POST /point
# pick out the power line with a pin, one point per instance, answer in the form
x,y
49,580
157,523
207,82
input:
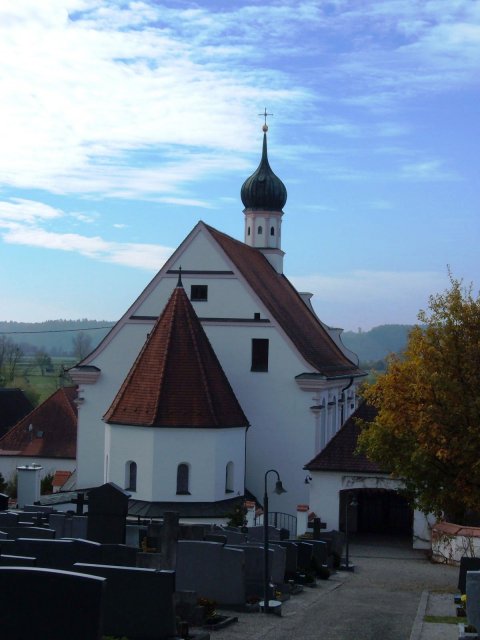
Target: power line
x,y
8,333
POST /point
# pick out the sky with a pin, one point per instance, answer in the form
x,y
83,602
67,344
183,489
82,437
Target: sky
x,y
122,124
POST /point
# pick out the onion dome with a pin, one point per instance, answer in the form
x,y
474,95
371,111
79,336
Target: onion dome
x,y
263,190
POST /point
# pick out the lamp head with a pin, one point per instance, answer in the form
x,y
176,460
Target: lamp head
x,y
279,488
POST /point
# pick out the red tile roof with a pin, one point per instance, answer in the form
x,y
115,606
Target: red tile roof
x,y
13,406
339,454
177,380
54,429
60,478
287,307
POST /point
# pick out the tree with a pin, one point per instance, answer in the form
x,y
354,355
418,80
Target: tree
x,y
427,430
43,361
82,345
10,354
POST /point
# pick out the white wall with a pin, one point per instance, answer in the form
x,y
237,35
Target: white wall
x,y
158,452
9,464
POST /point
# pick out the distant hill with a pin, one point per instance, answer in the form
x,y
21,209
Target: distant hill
x,y
377,343
53,336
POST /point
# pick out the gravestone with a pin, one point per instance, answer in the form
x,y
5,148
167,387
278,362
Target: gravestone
x,y
68,526
107,513
118,554
33,615
304,555
17,561
235,537
8,519
216,537
212,570
3,502
473,598
290,558
39,533
254,567
53,554
466,564
138,602
256,534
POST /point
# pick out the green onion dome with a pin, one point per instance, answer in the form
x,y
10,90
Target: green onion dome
x,y
263,190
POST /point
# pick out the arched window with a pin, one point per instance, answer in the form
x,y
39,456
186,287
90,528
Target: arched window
x,y
248,231
272,231
131,475
229,478
183,472
259,231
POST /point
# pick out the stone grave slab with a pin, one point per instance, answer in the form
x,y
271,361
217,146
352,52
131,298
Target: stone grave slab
x,y
466,564
256,534
17,561
107,513
212,570
78,618
291,552
8,519
39,533
473,598
53,554
138,602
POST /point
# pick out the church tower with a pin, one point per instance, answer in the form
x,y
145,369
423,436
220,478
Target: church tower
x,y
264,195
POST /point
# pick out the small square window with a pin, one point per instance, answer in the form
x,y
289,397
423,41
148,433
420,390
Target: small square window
x,y
259,354
199,292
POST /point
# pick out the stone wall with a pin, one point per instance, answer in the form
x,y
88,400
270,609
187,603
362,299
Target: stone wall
x,y
451,542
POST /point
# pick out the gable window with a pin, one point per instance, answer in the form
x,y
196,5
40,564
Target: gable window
x,y
259,354
199,292
272,231
131,476
183,472
259,231
229,478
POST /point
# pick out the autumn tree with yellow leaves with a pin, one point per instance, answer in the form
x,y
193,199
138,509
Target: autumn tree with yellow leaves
x,y
427,430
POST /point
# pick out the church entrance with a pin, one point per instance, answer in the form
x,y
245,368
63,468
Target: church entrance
x,y
382,511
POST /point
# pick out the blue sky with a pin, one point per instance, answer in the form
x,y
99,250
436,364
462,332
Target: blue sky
x,y
124,123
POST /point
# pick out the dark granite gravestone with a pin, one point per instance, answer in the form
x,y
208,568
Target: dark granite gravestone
x,y
3,502
212,570
290,559
27,596
8,519
119,555
216,537
68,526
52,554
466,564
17,561
256,534
304,555
107,513
138,602
3,535
38,533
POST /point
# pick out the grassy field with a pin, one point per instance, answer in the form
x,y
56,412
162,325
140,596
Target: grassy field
x,y
36,385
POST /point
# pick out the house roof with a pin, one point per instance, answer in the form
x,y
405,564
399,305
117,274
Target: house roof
x,y
13,406
177,380
340,453
285,304
60,478
53,432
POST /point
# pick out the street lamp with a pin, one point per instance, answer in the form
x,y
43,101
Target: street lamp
x,y
266,575
350,501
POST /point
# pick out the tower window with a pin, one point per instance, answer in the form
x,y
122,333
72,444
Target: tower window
x,y
131,476
259,354
272,231
248,231
229,478
183,472
259,231
199,292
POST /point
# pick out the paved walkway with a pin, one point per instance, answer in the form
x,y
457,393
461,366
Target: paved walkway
x,y
385,598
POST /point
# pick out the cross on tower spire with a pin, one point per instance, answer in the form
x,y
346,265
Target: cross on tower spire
x,y
264,115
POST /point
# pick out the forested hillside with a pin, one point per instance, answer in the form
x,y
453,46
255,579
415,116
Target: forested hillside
x,y
377,343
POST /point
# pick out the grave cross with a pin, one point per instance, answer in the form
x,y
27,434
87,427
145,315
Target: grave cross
x,y
80,501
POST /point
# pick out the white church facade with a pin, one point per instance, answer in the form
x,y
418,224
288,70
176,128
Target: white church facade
x,y
292,379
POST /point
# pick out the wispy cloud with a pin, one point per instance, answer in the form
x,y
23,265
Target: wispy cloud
x,y
21,223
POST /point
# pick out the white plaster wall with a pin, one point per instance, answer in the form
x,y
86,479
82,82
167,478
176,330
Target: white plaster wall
x,y
159,451
9,464
324,497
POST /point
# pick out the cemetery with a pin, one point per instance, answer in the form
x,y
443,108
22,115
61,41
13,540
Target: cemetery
x,y
144,580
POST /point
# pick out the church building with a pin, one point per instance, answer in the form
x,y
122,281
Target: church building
x,y
219,371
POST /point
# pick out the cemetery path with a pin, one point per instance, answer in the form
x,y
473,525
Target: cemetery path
x,y
379,600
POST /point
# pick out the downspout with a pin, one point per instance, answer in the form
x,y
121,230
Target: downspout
x,y
343,403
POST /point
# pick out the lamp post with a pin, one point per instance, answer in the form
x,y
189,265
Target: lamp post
x,y
266,575
350,501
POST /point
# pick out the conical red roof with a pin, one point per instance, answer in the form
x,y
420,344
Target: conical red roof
x,y
177,380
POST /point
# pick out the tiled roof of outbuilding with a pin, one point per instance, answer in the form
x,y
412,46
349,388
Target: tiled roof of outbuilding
x,y
340,453
13,406
54,429
177,380
289,310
